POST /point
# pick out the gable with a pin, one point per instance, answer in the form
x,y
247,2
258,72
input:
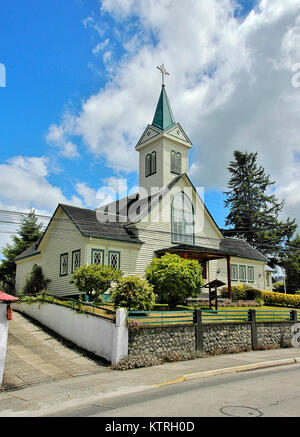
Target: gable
x,y
158,215
149,134
177,133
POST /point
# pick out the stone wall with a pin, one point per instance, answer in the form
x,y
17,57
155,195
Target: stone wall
x,y
274,334
225,337
215,338
158,340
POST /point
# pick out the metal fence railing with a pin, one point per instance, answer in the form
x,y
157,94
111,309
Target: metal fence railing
x,y
164,318
84,307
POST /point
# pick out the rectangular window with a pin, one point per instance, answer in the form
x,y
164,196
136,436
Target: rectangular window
x,y
242,275
204,269
114,259
97,257
75,260
250,274
268,279
63,264
234,272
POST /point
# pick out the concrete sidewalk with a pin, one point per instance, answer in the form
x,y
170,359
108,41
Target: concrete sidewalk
x,y
55,396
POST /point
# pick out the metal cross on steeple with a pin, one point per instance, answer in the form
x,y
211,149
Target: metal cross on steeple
x,y
163,72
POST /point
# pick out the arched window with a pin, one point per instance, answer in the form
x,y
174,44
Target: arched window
x,y
176,162
182,214
150,164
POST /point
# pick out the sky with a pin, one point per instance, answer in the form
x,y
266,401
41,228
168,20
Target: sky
x,y
82,85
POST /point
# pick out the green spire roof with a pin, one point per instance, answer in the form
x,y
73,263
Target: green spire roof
x,y
163,118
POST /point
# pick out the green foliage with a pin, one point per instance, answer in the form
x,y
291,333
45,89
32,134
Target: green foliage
x,y
254,215
133,293
175,279
288,300
28,233
292,265
36,282
278,287
241,292
95,280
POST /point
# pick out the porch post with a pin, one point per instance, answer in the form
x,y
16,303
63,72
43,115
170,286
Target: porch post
x,y
185,255
229,278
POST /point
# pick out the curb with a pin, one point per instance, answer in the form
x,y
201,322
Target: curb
x,y
241,368
244,368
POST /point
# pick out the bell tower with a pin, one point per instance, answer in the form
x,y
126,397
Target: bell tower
x,y
163,147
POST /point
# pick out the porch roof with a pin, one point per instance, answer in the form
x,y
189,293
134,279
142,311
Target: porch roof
x,y
197,252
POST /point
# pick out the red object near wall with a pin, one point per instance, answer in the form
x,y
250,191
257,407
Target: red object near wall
x,y
9,313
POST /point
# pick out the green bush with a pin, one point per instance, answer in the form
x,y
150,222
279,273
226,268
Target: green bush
x,y
288,300
133,293
94,280
278,287
175,279
35,282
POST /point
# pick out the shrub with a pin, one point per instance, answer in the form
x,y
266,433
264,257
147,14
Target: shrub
x,y
278,287
36,282
272,298
94,280
133,293
238,292
175,279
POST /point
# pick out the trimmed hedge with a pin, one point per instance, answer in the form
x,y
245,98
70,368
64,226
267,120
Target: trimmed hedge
x,y
272,298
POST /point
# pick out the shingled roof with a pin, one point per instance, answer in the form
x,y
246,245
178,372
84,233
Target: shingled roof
x,y
241,248
30,251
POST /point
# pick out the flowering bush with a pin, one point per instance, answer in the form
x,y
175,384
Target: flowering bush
x,y
133,293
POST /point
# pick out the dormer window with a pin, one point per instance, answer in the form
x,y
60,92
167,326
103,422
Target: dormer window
x,y
150,164
176,162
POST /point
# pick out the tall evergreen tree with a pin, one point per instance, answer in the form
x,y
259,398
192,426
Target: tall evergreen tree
x,y
254,211
28,233
292,265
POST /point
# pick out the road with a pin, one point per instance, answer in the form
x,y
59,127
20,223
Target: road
x,y
269,392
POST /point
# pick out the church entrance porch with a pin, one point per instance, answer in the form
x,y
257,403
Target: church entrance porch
x,y
203,255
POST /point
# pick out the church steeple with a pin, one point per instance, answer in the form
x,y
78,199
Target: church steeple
x,y
163,118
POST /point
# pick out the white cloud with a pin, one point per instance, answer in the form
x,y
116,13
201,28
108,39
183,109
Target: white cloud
x,y
58,136
230,86
100,46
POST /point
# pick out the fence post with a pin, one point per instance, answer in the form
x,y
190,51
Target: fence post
x,y
120,341
293,315
198,330
252,319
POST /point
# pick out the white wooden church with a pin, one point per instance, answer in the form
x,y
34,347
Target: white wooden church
x,y
167,215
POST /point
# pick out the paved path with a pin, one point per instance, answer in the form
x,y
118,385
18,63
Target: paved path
x,y
35,356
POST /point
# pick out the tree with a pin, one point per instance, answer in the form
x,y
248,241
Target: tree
x,y
36,282
175,279
133,293
94,280
28,233
254,210
292,265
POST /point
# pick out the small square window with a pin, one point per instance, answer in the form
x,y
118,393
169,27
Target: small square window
x,y
64,264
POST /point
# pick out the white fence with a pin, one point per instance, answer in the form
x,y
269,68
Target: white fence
x,y
101,337
3,338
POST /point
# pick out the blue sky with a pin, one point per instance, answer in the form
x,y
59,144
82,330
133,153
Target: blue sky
x,y
60,55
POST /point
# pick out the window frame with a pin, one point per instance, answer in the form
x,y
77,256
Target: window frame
x,y
176,166
72,265
119,257
92,256
245,267
151,165
60,264
237,272
184,234
252,269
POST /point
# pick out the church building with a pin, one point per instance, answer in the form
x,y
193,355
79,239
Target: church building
x,y
167,215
